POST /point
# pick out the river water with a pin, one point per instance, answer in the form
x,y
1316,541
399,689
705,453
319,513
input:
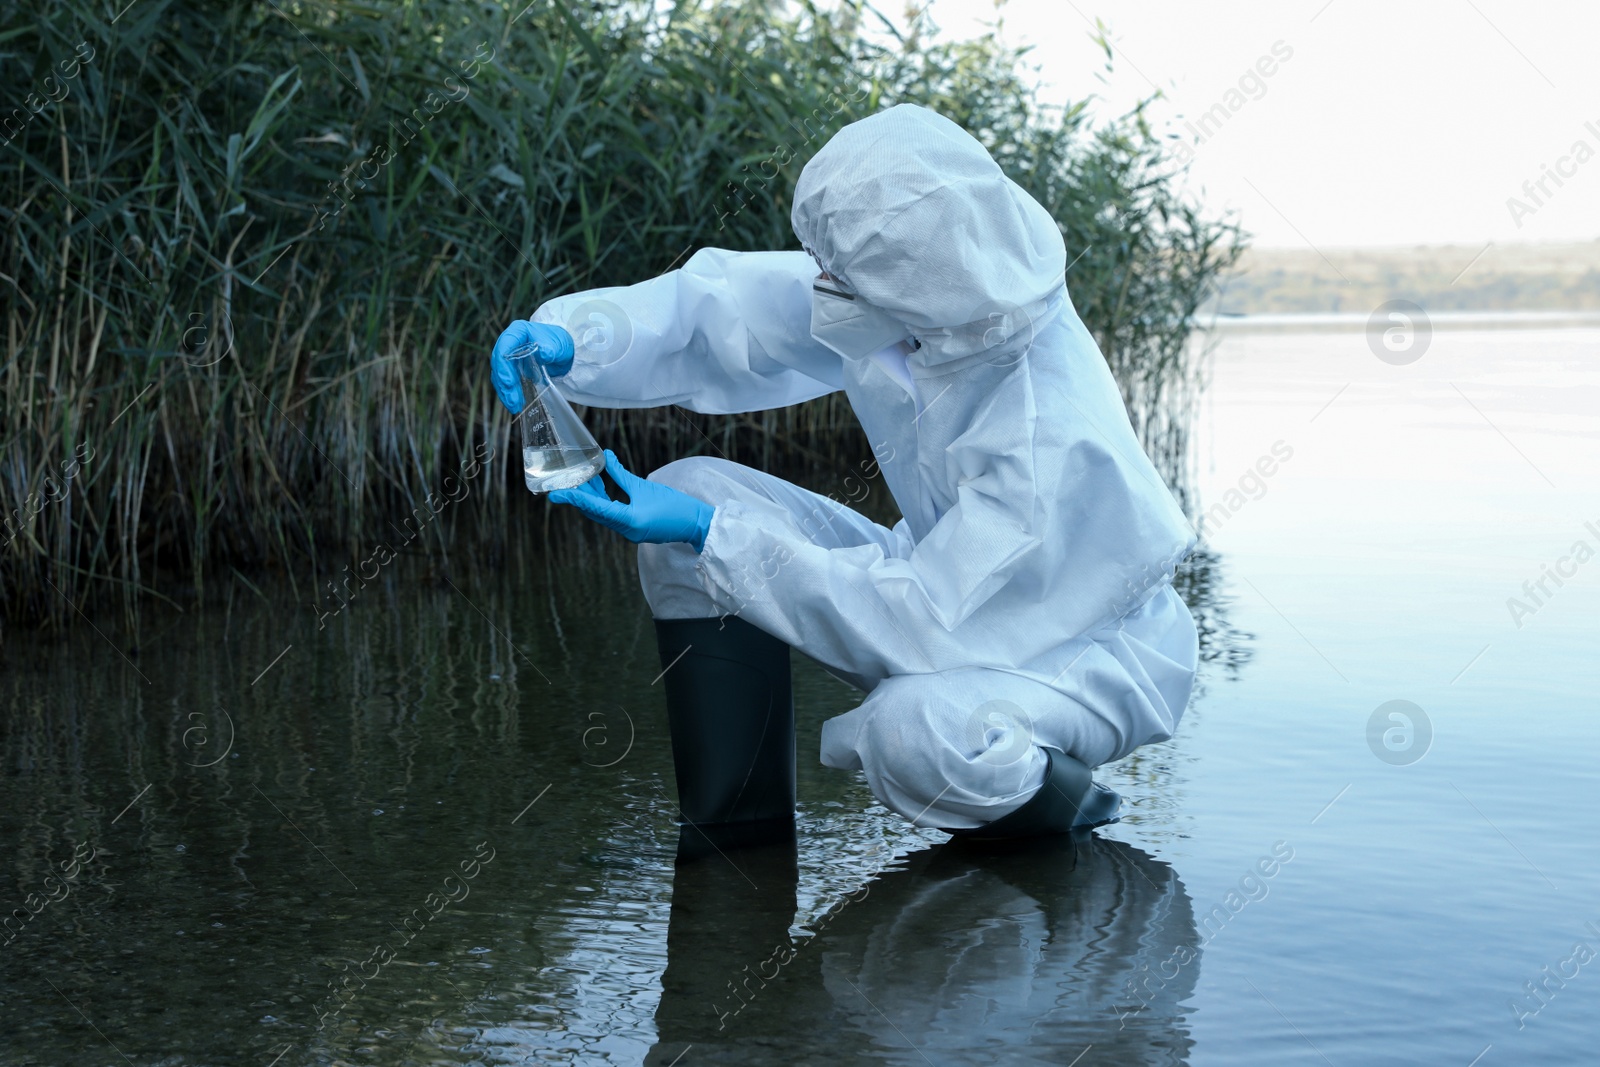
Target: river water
x,y
438,829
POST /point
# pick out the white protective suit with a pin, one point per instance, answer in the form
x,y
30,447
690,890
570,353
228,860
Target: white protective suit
x,y
1025,598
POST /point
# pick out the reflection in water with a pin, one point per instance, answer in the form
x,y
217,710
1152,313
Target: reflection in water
x,y
1030,954
1199,580
262,806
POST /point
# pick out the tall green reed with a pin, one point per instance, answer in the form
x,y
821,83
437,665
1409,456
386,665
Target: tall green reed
x,y
255,253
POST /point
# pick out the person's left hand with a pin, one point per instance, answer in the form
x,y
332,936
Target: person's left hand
x,y
655,514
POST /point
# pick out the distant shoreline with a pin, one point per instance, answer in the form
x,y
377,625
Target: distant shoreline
x,y
1338,321
1489,278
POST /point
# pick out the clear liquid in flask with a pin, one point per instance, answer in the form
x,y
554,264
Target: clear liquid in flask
x,y
548,469
558,452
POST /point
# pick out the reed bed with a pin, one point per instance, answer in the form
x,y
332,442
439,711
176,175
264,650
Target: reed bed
x,y
255,254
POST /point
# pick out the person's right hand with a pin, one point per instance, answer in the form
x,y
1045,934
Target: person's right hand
x,y
551,346
654,514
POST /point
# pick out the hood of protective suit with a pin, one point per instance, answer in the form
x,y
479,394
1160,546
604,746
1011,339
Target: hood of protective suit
x,y
911,215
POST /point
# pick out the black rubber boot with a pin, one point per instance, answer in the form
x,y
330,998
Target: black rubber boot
x,y
1069,800
731,714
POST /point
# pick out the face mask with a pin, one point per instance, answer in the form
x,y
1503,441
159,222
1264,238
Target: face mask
x,y
849,325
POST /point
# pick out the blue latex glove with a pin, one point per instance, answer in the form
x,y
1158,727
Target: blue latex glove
x,y
552,346
655,514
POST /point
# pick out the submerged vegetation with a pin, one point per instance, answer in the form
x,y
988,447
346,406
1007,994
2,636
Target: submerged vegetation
x,y
255,253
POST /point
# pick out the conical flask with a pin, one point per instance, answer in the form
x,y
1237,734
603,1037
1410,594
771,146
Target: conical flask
x,y
558,451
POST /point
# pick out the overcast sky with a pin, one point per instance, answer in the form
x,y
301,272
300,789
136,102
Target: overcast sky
x,y
1391,122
